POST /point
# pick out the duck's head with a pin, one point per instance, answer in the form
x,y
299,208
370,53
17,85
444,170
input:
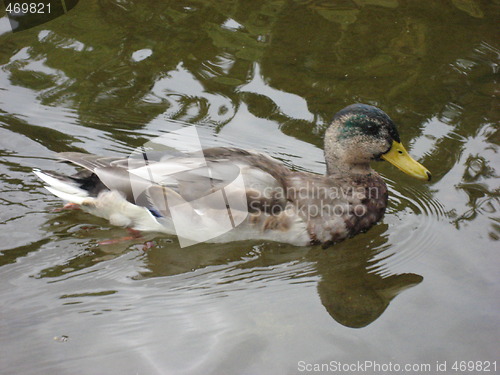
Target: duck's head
x,y
361,133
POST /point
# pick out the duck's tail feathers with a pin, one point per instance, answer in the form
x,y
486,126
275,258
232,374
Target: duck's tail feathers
x,y
63,187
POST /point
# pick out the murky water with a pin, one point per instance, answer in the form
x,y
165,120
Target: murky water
x,y
421,286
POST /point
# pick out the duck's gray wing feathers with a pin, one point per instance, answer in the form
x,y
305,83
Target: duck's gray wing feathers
x,y
87,161
249,159
146,180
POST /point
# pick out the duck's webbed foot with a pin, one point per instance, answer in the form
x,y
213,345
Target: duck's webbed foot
x,y
68,206
134,234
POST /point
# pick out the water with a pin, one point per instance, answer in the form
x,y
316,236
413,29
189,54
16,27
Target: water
x,y
418,288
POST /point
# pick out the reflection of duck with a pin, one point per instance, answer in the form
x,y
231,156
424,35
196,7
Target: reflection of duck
x,y
354,296
284,205
358,304
356,284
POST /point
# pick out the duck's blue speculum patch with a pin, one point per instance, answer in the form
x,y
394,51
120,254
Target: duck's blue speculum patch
x,y
155,213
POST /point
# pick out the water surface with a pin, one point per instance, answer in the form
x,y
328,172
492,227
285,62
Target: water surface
x,y
421,286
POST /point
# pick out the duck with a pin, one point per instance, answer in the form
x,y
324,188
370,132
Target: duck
x,y
225,194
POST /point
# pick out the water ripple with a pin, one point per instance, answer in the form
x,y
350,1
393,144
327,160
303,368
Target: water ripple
x,y
412,216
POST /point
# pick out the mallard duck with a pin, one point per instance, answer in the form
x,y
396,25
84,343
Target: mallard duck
x,y
261,198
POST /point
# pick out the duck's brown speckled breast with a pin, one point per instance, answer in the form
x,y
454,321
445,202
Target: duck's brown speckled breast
x,y
374,202
336,208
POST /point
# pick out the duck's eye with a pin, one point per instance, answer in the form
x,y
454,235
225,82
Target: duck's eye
x,y
372,128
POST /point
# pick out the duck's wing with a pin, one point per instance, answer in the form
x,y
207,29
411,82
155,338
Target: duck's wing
x,y
234,172
87,161
135,160
103,173
185,177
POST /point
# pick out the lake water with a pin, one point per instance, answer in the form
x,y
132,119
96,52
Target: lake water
x,y
421,288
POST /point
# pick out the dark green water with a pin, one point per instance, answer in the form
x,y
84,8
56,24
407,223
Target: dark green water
x,y
420,287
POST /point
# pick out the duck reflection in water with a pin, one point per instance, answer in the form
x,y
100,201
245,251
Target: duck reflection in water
x,y
354,288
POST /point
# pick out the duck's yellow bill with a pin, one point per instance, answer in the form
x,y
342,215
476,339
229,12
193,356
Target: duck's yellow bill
x,y
399,157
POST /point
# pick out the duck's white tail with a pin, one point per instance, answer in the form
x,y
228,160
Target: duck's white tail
x,y
62,187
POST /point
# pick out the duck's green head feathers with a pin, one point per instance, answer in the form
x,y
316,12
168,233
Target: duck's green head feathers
x,y
360,133
367,120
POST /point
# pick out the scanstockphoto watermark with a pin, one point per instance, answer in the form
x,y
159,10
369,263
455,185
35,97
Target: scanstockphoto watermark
x,y
368,366
204,199
311,200
309,209
311,190
364,366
